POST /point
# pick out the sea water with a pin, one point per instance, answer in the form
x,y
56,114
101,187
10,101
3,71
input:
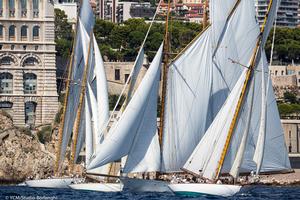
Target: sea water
x,y
248,192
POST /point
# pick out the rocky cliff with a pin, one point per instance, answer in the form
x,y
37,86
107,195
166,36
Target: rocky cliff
x,y
22,156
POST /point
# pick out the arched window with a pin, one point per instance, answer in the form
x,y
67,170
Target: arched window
x,y
6,83
36,33
24,33
35,8
29,83
31,61
23,8
12,32
11,6
1,31
6,60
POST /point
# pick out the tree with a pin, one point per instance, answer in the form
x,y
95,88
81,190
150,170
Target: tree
x,y
63,34
290,97
63,29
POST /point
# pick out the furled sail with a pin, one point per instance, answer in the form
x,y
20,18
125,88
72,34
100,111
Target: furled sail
x,y
199,83
87,18
136,121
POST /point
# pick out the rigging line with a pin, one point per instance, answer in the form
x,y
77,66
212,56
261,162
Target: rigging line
x,y
104,127
272,52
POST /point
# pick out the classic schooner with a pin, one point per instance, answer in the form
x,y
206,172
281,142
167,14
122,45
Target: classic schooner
x,y
86,90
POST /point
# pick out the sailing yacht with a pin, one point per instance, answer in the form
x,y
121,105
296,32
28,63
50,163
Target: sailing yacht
x,y
77,69
246,133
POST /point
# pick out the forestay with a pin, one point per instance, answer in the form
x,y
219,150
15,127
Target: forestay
x,y
137,124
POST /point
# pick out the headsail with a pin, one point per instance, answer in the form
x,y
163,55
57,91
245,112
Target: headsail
x,y
136,121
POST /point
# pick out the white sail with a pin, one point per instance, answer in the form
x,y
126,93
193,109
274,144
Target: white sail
x,y
198,84
235,169
134,120
77,68
88,132
143,158
259,150
102,94
210,148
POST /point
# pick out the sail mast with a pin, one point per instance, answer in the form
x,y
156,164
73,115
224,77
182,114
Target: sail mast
x,y
62,125
205,14
243,93
81,99
164,74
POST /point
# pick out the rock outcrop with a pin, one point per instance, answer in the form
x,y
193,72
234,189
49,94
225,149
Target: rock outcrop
x,y
22,155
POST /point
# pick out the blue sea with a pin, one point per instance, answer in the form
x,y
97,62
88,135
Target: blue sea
x,y
248,192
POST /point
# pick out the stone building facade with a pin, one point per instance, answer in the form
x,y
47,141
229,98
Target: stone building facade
x,y
28,88
117,74
291,130
285,78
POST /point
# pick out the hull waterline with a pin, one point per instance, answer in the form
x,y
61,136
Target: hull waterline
x,y
100,187
195,189
53,182
144,185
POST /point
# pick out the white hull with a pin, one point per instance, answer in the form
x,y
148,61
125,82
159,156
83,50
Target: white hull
x,y
100,187
195,189
53,182
144,185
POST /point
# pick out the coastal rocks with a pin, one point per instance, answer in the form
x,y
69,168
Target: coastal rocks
x,y
21,155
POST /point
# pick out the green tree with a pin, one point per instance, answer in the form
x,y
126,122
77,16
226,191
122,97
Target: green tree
x,y
290,97
63,34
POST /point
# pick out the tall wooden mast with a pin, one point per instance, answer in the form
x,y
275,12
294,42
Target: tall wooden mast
x,y
205,14
166,51
57,171
80,105
243,93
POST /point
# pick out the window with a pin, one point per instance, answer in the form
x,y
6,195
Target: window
x,y
23,8
11,6
6,83
29,83
117,74
36,33
35,6
276,72
282,73
24,33
12,32
1,8
31,61
30,110
6,61
1,32
126,77
6,105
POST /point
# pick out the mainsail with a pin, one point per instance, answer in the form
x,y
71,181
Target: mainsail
x,y
137,123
